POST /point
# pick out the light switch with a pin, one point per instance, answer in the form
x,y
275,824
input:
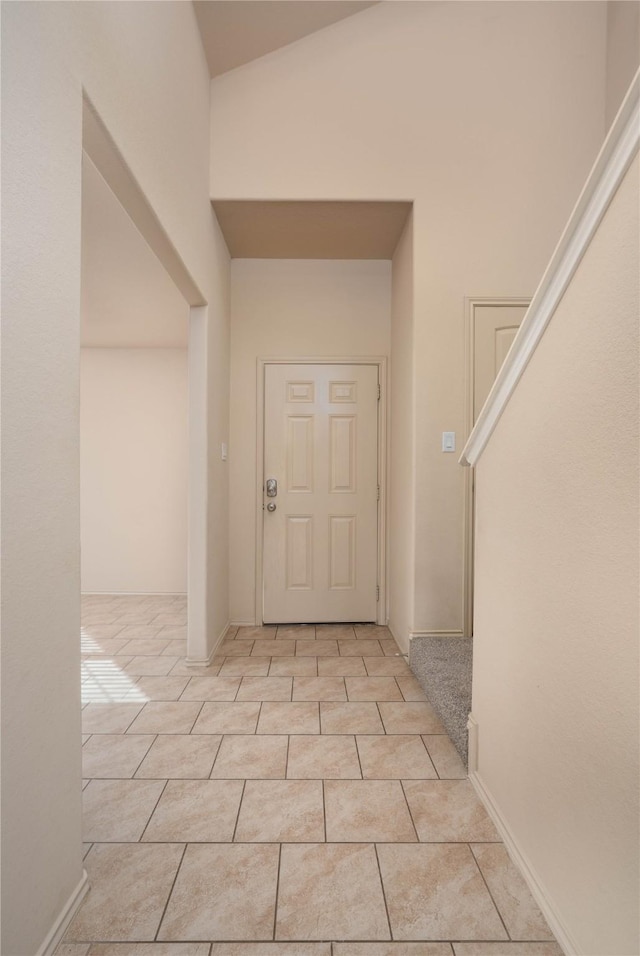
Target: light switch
x,y
223,451
448,441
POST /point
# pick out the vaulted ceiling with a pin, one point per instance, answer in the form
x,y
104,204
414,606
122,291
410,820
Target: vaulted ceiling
x,y
234,32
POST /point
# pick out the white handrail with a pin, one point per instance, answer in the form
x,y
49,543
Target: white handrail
x,y
613,160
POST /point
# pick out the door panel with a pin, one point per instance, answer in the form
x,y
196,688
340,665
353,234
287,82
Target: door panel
x,y
321,446
495,328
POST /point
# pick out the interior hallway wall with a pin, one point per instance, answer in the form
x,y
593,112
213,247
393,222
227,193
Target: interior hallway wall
x,y
489,116
402,442
133,470
623,51
289,308
143,67
555,683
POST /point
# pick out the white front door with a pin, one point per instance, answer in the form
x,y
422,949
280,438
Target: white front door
x,y
321,516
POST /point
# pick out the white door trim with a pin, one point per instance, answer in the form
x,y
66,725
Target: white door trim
x,y
471,304
381,363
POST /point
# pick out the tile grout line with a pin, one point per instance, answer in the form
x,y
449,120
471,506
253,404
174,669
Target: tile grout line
x,y
479,869
155,807
170,893
413,822
275,908
384,895
235,829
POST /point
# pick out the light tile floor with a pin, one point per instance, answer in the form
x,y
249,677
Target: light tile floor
x,y
299,797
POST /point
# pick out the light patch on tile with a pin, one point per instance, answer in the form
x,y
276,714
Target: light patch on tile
x,y
330,891
512,896
105,682
162,688
223,892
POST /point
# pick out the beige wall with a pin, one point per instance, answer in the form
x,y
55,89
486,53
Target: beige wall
x,y
133,470
623,52
402,442
555,687
289,308
143,67
489,116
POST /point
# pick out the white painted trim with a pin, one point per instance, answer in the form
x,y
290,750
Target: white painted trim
x,y
198,485
69,910
206,661
614,159
133,594
473,737
471,303
382,362
520,859
457,632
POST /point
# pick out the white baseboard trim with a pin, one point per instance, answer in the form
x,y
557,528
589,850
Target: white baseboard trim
x,y
472,760
133,594
190,662
244,624
69,910
521,861
458,632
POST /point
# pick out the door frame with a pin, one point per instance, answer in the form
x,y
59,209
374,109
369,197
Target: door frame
x,y
381,363
471,304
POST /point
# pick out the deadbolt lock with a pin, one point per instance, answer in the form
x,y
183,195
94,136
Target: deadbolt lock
x,y
272,487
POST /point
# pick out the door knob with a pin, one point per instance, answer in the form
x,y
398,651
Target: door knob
x,y
272,487
271,506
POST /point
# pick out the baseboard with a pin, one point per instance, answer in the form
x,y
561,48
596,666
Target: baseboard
x,y
244,624
59,928
521,861
472,759
458,632
207,660
133,594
